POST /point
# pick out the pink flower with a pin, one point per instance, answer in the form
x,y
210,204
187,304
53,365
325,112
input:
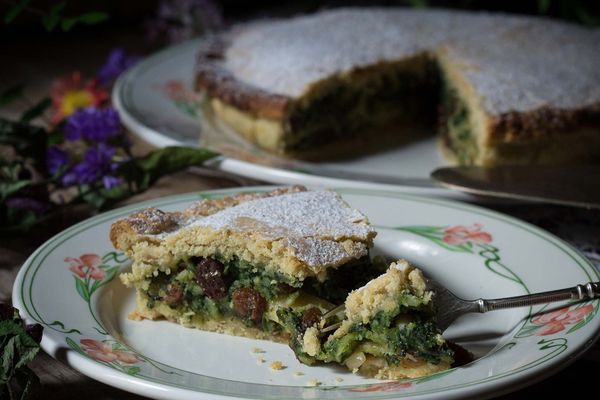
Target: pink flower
x,y
69,94
460,234
391,386
104,352
557,320
86,264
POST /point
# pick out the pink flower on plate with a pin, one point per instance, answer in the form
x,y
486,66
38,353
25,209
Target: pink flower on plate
x,y
556,321
104,352
391,386
460,234
178,91
86,265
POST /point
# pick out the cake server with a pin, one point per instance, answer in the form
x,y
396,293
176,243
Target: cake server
x,y
577,186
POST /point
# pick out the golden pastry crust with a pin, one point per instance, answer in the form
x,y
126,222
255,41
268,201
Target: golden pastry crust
x,y
220,83
291,231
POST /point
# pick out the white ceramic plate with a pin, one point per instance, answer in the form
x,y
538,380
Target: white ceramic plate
x,y
155,101
69,286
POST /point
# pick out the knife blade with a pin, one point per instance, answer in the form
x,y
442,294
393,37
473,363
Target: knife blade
x,y
577,186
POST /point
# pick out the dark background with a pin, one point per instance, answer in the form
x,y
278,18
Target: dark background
x,y
130,13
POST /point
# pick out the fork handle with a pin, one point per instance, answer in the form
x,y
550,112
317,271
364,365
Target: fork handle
x,y
590,290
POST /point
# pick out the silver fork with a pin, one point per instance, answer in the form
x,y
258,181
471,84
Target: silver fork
x,y
449,307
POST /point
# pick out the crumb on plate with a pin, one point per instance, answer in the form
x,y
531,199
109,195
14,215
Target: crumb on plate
x,y
313,382
276,365
257,350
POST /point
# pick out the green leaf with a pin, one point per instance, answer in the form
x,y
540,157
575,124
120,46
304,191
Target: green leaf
x,y
19,222
587,319
419,229
166,161
37,110
74,345
16,351
141,173
91,18
7,360
110,274
15,11
132,370
95,286
52,19
96,197
11,94
9,188
82,289
27,349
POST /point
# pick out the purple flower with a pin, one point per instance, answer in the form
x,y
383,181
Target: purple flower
x,y
93,124
35,331
97,165
56,159
178,20
117,62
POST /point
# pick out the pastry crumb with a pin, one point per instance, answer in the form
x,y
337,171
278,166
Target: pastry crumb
x,y
338,379
260,360
313,382
298,373
277,365
257,350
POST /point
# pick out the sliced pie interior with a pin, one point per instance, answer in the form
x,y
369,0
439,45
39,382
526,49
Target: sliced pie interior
x,y
389,330
229,264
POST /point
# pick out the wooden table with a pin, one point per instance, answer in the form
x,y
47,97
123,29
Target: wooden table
x,y
37,63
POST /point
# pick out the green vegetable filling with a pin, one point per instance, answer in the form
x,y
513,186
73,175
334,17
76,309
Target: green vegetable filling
x,y
239,288
347,106
407,330
456,128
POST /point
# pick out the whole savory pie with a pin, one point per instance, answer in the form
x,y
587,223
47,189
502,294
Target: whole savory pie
x,y
506,89
270,265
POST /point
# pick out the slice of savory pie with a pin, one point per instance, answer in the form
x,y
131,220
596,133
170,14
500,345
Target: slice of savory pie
x,y
229,264
389,331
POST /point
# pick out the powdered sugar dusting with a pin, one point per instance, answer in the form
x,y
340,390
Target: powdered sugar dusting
x,y
322,253
513,62
310,222
306,214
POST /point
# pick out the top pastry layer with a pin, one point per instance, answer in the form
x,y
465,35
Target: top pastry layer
x,y
292,231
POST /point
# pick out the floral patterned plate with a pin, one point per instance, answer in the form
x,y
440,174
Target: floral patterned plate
x,y
69,285
156,102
